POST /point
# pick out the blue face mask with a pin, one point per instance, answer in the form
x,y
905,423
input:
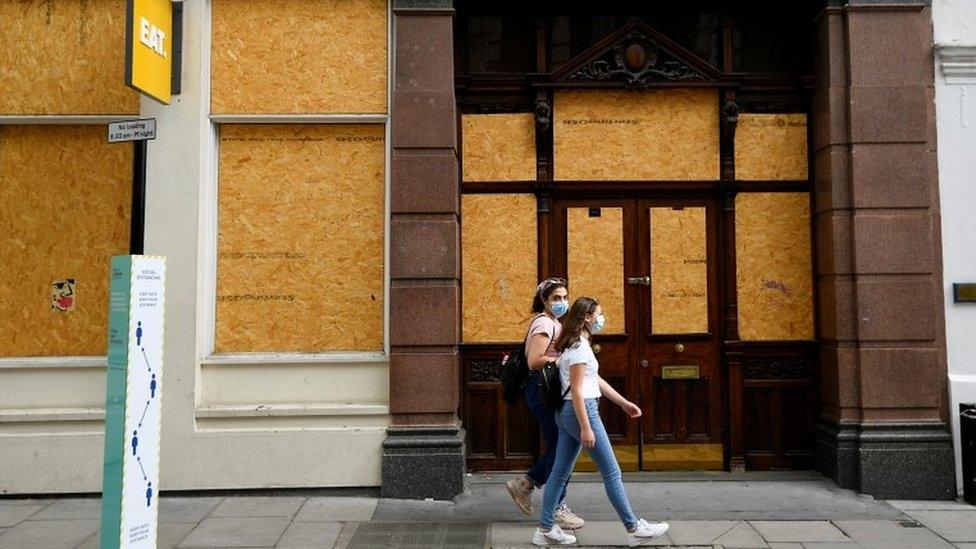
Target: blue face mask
x,y
559,308
597,324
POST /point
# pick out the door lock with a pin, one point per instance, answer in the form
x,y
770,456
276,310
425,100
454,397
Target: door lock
x,y
639,280
679,348
644,363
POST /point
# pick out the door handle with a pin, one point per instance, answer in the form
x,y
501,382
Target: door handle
x,y
644,363
639,280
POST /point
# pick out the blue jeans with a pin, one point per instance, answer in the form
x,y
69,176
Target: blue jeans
x,y
602,455
539,473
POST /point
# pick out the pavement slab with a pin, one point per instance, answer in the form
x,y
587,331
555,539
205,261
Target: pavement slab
x,y
955,526
236,532
48,534
262,506
874,534
730,534
799,531
337,509
71,508
10,515
306,535
931,505
186,509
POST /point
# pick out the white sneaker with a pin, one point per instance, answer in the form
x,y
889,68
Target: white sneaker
x,y
555,536
646,531
567,519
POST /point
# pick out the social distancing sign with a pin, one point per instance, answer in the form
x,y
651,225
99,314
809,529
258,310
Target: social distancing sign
x,y
130,488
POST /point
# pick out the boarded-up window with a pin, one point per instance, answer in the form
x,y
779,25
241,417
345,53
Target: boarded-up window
x,y
64,57
595,262
773,266
634,136
771,147
64,212
300,245
299,56
679,271
498,266
498,147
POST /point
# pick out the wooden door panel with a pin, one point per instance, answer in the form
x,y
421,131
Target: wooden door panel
x,y
499,437
614,419
482,427
679,255
611,254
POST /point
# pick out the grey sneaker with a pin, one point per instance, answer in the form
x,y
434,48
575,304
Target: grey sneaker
x,y
521,495
567,519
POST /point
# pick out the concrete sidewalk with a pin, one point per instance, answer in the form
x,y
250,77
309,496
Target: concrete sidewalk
x,y
762,510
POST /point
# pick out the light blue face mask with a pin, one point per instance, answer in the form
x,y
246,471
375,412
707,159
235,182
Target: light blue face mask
x,y
597,324
559,308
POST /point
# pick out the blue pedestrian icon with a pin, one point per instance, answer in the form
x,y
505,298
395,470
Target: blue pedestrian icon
x,y
135,441
152,387
139,333
148,494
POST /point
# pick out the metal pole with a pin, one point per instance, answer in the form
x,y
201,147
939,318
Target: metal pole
x,y
138,217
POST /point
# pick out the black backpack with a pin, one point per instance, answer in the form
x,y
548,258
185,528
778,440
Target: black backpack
x,y
514,374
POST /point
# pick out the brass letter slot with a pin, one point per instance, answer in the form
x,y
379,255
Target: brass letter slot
x,y
680,372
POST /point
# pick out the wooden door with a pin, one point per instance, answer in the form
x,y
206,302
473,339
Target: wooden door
x,y
652,265
680,368
594,249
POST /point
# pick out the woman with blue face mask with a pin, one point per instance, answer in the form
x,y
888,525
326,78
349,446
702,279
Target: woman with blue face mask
x,y
550,303
580,427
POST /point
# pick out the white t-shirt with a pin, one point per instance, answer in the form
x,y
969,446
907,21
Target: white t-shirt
x,y
581,353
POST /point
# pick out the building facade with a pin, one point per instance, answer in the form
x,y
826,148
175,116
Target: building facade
x,y
357,198
954,24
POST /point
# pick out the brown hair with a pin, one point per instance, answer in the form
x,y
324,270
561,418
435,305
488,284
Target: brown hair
x,y
574,322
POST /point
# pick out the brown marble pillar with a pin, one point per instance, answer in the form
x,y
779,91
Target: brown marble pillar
x,y
423,455
884,376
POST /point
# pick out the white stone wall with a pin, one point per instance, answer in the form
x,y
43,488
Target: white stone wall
x,y
954,23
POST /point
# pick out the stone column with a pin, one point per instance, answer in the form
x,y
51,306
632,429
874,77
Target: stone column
x,y
883,430
423,454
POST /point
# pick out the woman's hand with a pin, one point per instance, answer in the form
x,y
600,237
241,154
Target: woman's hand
x,y
631,409
587,438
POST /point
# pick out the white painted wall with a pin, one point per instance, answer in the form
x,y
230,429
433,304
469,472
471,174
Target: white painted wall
x,y
954,23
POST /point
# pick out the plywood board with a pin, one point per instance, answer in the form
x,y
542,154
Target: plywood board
x,y
773,266
667,134
679,271
65,197
499,247
299,56
771,147
64,57
498,147
595,249
300,245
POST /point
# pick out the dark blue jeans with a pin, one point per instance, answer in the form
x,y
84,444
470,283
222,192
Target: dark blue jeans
x,y
539,473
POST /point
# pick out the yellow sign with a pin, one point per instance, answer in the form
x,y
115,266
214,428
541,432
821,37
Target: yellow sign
x,y
149,47
680,372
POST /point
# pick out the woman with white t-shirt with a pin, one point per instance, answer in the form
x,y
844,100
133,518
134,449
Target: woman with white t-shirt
x,y
580,426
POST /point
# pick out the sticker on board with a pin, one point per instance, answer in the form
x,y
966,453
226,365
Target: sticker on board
x,y
63,295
